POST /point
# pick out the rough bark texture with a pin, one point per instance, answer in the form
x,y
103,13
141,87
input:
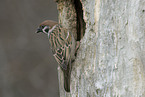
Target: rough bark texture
x,y
111,57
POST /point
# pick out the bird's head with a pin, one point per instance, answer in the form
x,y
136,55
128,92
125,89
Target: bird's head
x,y
46,26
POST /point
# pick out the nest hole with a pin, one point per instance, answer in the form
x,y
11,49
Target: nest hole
x,y
81,25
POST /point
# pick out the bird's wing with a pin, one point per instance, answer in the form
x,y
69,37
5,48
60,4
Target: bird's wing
x,y
60,40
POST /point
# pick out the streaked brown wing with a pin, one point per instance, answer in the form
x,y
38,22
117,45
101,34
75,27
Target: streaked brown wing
x,y
60,44
62,56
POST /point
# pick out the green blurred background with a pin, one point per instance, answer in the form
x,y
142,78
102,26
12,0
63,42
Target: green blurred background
x,y
27,67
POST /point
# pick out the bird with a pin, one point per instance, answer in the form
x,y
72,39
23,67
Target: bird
x,y
63,45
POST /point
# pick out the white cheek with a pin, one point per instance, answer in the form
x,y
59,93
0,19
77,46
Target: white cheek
x,y
44,30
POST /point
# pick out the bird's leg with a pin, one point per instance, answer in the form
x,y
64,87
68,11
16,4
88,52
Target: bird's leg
x,y
77,47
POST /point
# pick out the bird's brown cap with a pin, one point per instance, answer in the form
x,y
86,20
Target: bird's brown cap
x,y
49,23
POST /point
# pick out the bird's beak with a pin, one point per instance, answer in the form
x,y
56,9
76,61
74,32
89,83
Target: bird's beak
x,y
39,30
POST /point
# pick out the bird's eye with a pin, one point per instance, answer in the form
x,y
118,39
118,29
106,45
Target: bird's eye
x,y
42,26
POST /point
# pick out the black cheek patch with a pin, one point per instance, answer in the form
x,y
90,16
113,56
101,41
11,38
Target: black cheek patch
x,y
46,30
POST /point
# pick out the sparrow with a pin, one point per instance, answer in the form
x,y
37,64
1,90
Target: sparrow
x,y
63,47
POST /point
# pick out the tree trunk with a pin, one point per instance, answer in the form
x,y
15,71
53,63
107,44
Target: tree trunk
x,y
111,59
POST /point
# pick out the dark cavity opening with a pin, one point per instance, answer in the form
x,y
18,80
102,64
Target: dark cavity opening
x,y
80,21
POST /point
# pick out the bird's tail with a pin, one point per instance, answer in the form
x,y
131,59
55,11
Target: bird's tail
x,y
67,73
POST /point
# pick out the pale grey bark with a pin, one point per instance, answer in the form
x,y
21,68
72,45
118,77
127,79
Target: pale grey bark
x,y
111,57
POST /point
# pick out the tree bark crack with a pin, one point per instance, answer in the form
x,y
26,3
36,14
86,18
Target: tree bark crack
x,y
81,25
